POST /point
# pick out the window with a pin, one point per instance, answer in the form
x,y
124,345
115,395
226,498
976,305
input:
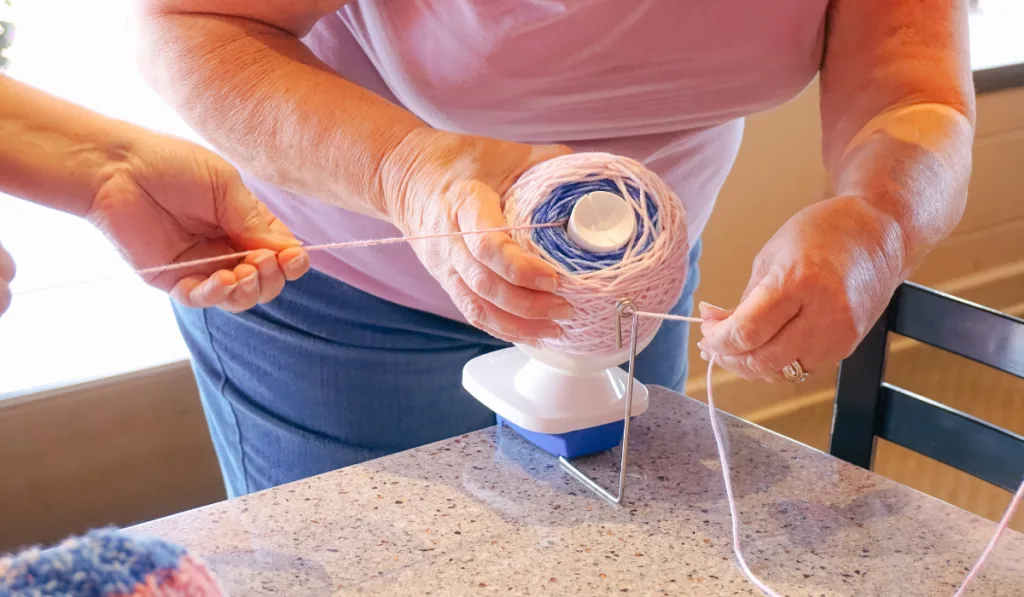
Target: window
x,y
995,33
78,51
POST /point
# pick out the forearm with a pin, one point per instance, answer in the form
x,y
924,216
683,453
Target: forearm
x,y
897,109
911,165
55,153
265,101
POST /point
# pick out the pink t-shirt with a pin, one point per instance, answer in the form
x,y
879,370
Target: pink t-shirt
x,y
665,82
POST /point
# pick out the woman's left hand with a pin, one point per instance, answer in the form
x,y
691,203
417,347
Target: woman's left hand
x,y
817,287
170,201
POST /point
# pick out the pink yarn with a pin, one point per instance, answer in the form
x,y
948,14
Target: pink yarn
x,y
1000,529
737,548
653,278
149,271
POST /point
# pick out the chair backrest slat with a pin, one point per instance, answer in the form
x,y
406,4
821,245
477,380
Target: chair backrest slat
x,y
867,407
952,437
961,327
856,417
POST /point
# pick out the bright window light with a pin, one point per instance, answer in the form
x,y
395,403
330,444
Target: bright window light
x,y
996,38
79,51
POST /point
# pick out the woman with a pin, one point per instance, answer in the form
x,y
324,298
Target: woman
x,y
160,200
362,119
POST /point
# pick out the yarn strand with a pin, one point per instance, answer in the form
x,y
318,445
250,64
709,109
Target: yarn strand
x,y
670,317
1003,525
324,247
723,459
734,515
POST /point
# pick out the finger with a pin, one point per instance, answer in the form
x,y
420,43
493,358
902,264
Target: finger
x,y
201,292
246,293
271,276
757,364
529,304
711,316
480,209
528,342
538,154
755,321
810,338
5,296
168,280
484,315
7,268
543,153
249,224
711,312
752,367
7,271
294,263
730,364
812,344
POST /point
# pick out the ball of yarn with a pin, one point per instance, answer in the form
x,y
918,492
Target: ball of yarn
x,y
108,563
650,269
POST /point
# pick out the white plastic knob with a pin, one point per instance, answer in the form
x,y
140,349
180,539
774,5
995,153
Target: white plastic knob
x,y
601,222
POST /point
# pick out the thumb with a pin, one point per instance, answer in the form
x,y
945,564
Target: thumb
x,y
543,153
250,225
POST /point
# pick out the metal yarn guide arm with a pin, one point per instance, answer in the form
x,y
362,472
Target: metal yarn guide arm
x,y
624,308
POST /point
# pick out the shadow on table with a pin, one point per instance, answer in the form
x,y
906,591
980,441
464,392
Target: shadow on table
x,y
673,467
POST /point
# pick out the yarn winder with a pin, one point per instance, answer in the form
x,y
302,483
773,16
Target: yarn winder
x,y
573,404
570,405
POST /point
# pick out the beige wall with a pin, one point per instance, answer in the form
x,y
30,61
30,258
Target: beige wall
x,y
135,448
117,451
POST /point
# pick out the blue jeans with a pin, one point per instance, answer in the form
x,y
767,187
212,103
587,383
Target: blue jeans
x,y
327,376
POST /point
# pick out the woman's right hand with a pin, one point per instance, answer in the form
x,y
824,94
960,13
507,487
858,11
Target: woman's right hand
x,y
437,182
6,275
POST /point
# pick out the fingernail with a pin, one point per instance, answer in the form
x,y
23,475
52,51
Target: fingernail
x,y
703,355
552,333
266,264
700,345
211,285
703,308
562,312
250,282
297,263
547,283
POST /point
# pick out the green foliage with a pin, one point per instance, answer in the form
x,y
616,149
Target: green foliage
x,y
6,35
6,39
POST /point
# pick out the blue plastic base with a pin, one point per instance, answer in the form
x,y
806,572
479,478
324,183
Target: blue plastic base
x,y
573,444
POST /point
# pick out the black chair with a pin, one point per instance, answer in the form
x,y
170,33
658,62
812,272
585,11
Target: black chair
x,y
867,407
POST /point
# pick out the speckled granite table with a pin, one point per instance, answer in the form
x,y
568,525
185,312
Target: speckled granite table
x,y
489,514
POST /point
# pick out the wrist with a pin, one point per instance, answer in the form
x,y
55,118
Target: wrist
x,y
115,157
396,170
889,239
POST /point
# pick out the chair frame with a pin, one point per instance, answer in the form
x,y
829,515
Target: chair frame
x,y
866,407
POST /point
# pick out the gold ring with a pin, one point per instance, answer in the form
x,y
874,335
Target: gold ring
x,y
794,372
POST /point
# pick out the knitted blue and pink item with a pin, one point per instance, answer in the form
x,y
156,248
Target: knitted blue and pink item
x,y
107,563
